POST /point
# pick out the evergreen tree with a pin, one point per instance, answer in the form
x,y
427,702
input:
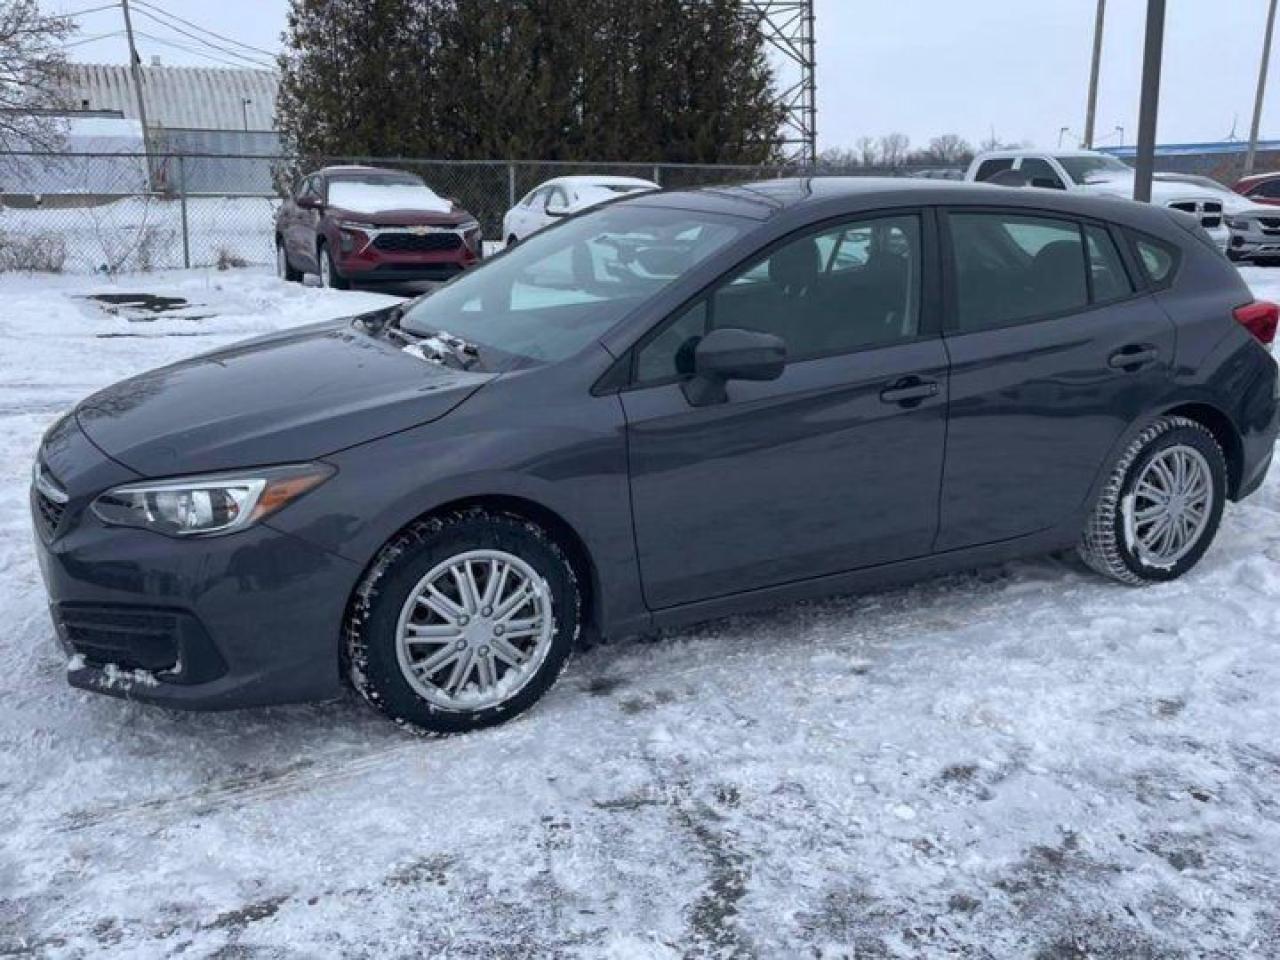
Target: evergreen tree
x,y
611,80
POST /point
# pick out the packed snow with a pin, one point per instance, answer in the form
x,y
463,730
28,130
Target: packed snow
x,y
1024,760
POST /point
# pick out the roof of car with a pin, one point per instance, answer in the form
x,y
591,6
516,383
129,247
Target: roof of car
x,y
587,180
769,198
359,168
1259,177
1032,152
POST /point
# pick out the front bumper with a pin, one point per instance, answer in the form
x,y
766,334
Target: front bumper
x,y
1251,246
210,623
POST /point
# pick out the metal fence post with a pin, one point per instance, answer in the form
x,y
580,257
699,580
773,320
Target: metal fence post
x,y
657,174
511,185
182,199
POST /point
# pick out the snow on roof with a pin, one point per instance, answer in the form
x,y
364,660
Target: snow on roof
x,y
209,98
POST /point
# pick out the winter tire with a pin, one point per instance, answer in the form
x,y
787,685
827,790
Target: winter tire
x,y
1161,506
284,269
463,622
329,275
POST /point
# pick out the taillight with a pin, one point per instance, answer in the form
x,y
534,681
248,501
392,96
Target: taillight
x,y
1260,319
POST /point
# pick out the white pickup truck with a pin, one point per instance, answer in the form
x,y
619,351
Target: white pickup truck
x,y
1091,172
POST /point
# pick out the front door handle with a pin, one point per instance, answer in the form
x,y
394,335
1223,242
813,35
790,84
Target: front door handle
x,y
1133,357
909,391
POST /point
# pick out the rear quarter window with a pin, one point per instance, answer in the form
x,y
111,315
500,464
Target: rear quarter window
x,y
1157,259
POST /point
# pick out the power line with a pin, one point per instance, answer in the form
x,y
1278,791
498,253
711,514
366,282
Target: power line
x,y
208,43
81,13
188,49
94,39
205,30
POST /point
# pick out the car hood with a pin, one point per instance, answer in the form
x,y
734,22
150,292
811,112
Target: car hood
x,y
282,398
403,218
1163,191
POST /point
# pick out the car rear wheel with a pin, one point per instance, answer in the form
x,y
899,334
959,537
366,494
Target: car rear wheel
x,y
329,275
1161,507
464,621
284,270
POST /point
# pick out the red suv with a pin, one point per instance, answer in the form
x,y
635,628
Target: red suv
x,y
1260,188
366,224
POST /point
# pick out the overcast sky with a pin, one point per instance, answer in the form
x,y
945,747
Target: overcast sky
x,y
922,67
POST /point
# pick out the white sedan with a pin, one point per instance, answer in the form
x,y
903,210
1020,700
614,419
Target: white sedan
x,y
548,202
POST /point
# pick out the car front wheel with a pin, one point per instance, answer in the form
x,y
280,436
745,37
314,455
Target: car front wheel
x,y
284,269
464,621
1161,506
329,275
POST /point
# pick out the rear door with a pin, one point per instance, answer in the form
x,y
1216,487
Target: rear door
x,y
835,465
1054,352
303,226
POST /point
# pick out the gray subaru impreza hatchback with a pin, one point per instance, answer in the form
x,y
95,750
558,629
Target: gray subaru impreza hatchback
x,y
676,407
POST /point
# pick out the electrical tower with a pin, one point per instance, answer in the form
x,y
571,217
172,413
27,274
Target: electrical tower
x,y
787,26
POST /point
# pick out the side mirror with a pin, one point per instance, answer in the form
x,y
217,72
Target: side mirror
x,y
557,209
728,354
310,203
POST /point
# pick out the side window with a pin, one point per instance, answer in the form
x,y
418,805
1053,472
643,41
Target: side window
x,y
1158,260
1106,270
670,353
1011,268
1268,188
849,287
1039,173
989,168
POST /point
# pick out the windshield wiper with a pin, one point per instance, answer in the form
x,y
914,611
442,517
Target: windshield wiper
x,y
440,347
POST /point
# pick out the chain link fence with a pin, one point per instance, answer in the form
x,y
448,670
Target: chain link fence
x,y
114,213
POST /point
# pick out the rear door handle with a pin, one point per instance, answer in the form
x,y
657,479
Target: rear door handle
x,y
909,391
1133,357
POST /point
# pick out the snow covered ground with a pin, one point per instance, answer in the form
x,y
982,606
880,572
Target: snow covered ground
x,y
1020,761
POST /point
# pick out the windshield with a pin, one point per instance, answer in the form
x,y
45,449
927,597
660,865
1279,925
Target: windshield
x,y
549,297
378,194
1081,169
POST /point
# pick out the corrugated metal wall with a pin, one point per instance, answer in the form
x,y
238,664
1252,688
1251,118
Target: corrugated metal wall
x,y
206,98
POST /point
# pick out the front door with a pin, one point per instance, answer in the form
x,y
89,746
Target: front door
x,y
1054,352
834,466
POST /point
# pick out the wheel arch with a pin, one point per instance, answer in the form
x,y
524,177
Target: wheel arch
x,y
1223,430
561,530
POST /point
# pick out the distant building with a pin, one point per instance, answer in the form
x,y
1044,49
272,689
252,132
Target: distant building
x,y
206,113
1222,160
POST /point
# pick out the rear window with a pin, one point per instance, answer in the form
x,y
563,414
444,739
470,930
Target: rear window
x,y
989,168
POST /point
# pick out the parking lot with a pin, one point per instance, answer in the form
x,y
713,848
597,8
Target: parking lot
x,y
1024,760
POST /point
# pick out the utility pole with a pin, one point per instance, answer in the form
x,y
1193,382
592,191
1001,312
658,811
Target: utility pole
x,y
244,108
1091,108
135,68
1262,89
1149,103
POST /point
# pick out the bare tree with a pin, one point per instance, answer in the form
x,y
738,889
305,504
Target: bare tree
x,y
31,68
893,149
868,151
949,149
838,158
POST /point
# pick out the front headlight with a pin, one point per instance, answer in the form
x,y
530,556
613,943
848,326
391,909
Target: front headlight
x,y
215,503
1237,223
468,225
353,225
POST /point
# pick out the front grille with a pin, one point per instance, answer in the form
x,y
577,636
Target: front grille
x,y
50,500
1209,212
50,513
1272,223
417,242
130,638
